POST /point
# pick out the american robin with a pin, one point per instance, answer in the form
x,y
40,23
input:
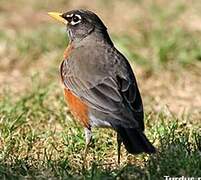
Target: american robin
x,y
100,86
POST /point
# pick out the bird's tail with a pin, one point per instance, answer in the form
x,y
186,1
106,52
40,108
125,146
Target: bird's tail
x,y
135,141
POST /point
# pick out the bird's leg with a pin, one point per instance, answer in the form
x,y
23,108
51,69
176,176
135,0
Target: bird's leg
x,y
119,141
88,137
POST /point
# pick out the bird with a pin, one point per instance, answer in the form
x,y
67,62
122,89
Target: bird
x,y
99,84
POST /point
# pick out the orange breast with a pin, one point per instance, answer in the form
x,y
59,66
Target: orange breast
x,y
77,107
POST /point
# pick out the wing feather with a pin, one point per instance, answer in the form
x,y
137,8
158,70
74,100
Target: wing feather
x,y
113,96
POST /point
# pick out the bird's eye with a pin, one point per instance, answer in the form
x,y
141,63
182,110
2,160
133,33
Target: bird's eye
x,y
75,18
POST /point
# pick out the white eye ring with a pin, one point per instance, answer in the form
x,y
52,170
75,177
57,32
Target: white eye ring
x,y
70,15
76,15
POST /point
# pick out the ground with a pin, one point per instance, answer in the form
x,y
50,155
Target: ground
x,y
39,139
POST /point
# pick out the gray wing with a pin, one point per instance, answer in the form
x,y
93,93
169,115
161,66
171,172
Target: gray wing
x,y
110,93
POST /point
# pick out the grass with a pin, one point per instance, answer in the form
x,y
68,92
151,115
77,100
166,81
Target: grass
x,y
163,48
39,138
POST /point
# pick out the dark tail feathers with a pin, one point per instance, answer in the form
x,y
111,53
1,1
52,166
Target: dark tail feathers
x,y
135,141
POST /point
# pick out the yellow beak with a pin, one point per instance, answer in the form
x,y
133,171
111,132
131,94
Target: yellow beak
x,y
57,16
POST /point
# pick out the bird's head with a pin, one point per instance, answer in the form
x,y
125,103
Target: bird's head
x,y
80,23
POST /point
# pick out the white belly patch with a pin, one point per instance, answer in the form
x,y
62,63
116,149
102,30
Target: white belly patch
x,y
95,122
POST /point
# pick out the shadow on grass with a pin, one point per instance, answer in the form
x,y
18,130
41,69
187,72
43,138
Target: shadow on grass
x,y
22,170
